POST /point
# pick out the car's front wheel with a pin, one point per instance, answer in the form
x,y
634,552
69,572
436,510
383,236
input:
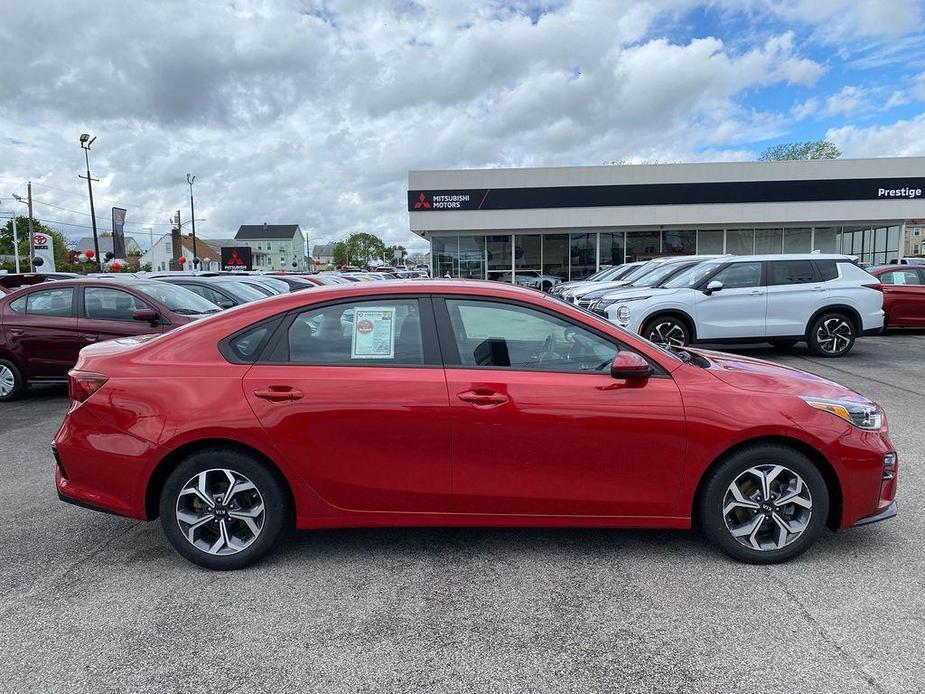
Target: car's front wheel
x,y
831,335
223,509
764,504
12,382
668,331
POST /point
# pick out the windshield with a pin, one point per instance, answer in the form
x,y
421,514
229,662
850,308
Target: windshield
x,y
692,276
640,271
177,299
659,275
241,291
279,285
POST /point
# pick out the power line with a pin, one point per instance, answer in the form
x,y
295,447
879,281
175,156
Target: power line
x,y
87,214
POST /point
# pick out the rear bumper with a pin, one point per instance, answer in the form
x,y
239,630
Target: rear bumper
x,y
887,513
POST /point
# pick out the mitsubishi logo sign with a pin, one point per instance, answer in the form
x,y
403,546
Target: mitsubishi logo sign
x,y
422,203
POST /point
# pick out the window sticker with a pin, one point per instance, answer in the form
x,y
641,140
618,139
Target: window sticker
x,y
374,333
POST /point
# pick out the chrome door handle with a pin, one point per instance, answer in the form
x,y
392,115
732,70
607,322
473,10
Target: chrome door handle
x,y
90,338
279,394
818,289
757,292
16,331
483,398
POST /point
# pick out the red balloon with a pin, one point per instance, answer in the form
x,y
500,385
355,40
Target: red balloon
x,y
116,266
182,260
89,253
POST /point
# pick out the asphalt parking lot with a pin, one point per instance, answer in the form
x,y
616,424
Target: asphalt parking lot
x,y
90,602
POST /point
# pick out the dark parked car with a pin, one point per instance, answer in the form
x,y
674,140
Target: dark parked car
x,y
13,281
44,327
903,289
223,291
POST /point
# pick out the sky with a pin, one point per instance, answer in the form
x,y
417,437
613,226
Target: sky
x,y
314,111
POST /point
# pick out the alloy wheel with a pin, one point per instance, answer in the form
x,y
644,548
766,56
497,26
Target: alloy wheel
x,y
7,381
834,335
668,333
220,511
767,507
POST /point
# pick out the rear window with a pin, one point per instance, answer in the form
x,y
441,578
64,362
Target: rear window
x,y
791,272
827,270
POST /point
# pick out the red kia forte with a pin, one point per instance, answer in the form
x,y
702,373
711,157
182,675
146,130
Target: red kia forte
x,y
459,403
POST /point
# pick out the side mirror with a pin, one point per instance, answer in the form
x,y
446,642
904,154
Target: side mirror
x,y
148,315
226,303
629,365
713,286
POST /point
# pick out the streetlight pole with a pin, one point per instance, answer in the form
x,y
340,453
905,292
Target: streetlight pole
x,y
192,216
85,142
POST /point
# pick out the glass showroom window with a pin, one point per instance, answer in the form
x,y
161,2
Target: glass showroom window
x,y
798,240
445,250
893,238
768,240
710,242
556,255
499,256
584,255
642,245
528,252
825,239
472,257
740,241
613,248
679,242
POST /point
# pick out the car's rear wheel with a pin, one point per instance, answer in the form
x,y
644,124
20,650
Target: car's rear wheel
x,y
764,504
668,331
223,509
12,382
783,344
831,335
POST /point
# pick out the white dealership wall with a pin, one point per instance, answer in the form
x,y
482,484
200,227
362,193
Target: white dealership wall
x,y
888,210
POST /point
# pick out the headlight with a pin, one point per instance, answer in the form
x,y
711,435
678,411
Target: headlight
x,y
864,415
623,314
604,303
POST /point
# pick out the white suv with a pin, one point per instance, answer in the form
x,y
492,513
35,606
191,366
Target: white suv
x,y
826,300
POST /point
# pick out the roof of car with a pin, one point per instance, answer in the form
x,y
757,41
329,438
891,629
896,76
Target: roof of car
x,y
788,256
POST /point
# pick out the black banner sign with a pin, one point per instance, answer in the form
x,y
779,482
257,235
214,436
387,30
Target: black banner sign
x,y
118,232
236,258
666,194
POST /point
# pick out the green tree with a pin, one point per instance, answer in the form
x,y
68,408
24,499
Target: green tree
x,y
22,231
340,254
359,249
395,254
789,151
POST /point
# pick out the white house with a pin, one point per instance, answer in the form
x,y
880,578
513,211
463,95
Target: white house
x,y
161,253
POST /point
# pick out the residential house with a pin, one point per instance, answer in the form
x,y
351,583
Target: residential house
x,y
86,243
323,253
915,239
275,246
161,253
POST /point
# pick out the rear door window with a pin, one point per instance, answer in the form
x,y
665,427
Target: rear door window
x,y
739,276
791,272
51,302
383,332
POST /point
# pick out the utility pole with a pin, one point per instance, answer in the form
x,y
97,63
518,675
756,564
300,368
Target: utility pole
x,y
31,235
85,142
192,216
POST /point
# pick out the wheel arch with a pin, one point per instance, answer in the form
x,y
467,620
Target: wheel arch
x,y
677,313
832,482
849,311
169,462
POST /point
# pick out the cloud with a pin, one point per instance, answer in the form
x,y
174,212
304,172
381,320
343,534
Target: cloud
x,y
313,111
903,138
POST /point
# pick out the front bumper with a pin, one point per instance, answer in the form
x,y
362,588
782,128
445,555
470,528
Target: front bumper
x,y
887,513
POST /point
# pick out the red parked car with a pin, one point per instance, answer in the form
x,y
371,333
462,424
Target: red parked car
x,y
521,410
903,294
44,327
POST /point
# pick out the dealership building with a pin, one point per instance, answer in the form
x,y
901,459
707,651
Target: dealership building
x,y
569,222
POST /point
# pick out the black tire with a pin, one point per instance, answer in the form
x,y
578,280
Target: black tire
x,y
7,369
277,518
831,335
783,344
713,496
660,328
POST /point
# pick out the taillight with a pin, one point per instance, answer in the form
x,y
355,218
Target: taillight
x,y
878,286
83,384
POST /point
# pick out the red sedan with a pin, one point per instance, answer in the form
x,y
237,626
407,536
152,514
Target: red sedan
x,y
459,403
903,294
